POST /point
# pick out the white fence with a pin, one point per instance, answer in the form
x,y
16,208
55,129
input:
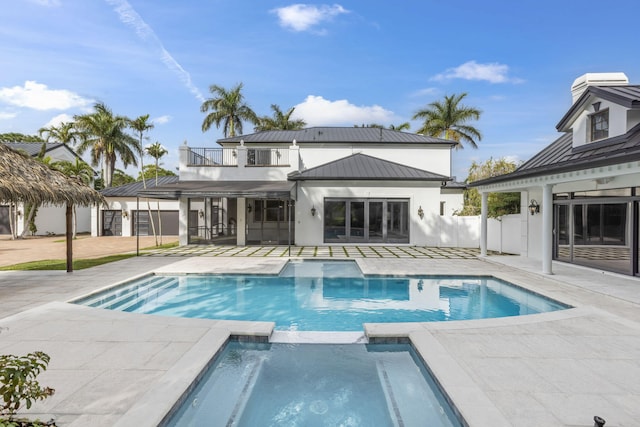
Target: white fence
x,y
503,235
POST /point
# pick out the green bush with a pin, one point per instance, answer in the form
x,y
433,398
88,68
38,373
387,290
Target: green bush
x,y
18,384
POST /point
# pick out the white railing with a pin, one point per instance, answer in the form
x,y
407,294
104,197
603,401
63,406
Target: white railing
x,y
213,157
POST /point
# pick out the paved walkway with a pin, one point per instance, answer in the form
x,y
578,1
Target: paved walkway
x,y
343,252
557,369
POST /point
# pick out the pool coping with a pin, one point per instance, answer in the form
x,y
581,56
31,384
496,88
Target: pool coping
x,y
596,299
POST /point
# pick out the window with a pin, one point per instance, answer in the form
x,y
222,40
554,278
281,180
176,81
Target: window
x,y
271,210
599,125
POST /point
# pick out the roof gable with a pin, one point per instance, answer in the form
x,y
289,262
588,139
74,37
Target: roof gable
x,y
336,135
628,96
366,168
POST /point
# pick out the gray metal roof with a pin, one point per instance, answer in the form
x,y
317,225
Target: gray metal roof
x,y
628,96
367,168
336,135
33,148
131,190
253,189
559,156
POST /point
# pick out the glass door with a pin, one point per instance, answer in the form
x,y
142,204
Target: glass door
x,y
376,222
357,220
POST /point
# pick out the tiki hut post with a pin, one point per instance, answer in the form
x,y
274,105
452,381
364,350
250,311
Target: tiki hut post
x,y
69,218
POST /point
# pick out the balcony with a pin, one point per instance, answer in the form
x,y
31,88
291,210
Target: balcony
x,y
213,157
255,157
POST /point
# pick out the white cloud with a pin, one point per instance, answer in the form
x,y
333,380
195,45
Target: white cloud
x,y
6,116
60,118
37,96
471,70
317,111
302,17
424,92
162,120
130,17
48,3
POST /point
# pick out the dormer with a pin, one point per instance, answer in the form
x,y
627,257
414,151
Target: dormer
x,y
604,106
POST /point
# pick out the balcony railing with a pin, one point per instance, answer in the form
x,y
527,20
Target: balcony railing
x,y
256,157
267,157
213,157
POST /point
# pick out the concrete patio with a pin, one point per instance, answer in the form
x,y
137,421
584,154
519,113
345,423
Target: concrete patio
x,y
561,368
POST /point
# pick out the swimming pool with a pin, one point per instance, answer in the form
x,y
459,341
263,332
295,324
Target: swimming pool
x,y
323,296
315,385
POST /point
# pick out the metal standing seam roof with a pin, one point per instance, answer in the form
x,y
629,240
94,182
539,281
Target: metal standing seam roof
x,y
252,189
363,167
132,189
336,135
560,156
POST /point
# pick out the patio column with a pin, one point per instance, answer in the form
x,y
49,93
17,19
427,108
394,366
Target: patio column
x,y
241,225
484,210
547,228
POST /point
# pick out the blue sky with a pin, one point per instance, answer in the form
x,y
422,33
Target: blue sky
x,y
340,64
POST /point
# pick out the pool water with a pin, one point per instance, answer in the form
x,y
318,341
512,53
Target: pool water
x,y
315,385
323,296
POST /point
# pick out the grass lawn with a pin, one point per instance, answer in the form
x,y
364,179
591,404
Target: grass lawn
x,y
78,264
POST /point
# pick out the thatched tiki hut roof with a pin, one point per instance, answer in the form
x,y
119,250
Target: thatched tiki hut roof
x,y
22,179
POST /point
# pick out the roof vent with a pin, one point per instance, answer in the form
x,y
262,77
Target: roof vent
x,y
596,79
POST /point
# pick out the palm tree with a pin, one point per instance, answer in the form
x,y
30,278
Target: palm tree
x,y
156,150
448,120
79,170
227,108
400,127
279,121
103,133
141,125
64,133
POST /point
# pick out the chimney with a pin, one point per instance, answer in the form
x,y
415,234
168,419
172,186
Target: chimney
x,y
597,79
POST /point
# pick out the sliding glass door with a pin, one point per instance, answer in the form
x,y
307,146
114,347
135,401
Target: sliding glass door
x,y
366,221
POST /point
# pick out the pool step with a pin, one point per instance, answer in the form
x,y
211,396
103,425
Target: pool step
x,y
123,296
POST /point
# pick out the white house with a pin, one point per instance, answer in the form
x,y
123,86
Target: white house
x,y
49,219
581,194
316,186
126,214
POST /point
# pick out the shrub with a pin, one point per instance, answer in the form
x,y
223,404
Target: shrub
x,y
18,382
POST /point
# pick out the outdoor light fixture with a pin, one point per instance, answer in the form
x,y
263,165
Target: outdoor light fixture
x,y
596,106
125,214
313,211
249,208
420,212
201,213
534,207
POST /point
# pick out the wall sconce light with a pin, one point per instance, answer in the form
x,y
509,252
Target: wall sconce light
x,y
125,214
596,106
201,213
420,212
313,211
249,208
534,207
19,213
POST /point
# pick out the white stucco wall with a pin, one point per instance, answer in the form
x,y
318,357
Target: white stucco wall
x,y
309,229
617,121
129,205
51,219
434,158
